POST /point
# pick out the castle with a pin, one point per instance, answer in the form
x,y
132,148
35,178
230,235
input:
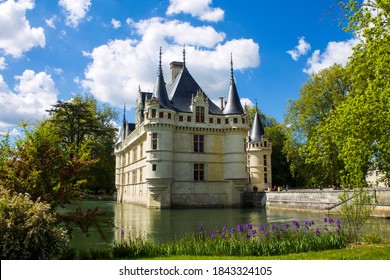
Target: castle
x,y
185,151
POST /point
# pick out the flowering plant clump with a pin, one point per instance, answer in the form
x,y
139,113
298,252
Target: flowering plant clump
x,y
241,240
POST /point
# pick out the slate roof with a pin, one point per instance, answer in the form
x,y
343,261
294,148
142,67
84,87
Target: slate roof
x,y
183,89
233,105
257,129
160,90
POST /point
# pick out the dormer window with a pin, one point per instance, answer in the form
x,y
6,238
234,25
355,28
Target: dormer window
x,y
199,114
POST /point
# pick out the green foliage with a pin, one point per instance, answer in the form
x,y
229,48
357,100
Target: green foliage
x,y
39,165
311,152
28,229
356,208
248,241
81,122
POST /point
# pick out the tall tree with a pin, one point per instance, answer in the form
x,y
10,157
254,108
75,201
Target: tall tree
x,y
80,121
360,126
312,154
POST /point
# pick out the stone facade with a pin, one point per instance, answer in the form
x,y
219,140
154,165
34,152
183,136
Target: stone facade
x,y
185,151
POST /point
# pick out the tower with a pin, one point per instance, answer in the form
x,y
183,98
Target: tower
x,y
259,150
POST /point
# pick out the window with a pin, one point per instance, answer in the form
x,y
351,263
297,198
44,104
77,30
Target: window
x,y
154,167
140,175
211,120
141,150
135,150
134,179
188,118
265,178
265,169
218,121
265,159
198,172
169,115
243,120
161,115
198,143
227,121
265,143
235,120
154,141
199,114
180,118
154,112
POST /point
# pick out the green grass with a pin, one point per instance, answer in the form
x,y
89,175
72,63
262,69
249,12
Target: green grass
x,y
361,252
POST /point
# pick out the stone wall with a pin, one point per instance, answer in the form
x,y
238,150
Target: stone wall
x,y
322,200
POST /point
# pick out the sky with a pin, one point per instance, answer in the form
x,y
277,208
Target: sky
x,y
53,50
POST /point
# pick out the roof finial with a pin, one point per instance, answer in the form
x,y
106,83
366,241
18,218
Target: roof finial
x,y
159,64
231,68
256,104
124,112
184,55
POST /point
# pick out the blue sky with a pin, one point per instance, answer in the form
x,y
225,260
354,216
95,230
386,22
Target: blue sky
x,y
51,50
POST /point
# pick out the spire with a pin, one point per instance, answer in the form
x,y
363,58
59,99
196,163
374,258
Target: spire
x,y
233,105
257,130
231,69
184,55
160,91
124,113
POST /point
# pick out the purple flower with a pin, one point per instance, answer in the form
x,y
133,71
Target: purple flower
x,y
212,235
330,221
325,220
317,231
249,226
280,229
287,226
296,224
311,223
337,230
239,228
122,232
224,228
232,229
254,231
201,228
266,233
261,228
247,236
272,227
338,222
218,231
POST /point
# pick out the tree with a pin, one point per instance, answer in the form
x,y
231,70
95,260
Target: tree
x,y
39,165
311,152
360,126
80,121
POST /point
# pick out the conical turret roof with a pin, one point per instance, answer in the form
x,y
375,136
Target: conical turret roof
x,y
160,91
233,105
257,129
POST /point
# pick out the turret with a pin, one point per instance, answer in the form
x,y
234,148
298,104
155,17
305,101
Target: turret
x,y
233,105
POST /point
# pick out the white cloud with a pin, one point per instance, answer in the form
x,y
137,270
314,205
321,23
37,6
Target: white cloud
x,y
336,52
199,8
115,23
119,67
16,34
301,49
247,102
3,65
51,21
75,10
33,94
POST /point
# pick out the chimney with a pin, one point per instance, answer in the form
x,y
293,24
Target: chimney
x,y
221,103
175,68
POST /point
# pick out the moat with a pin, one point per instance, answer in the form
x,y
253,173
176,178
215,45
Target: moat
x,y
166,224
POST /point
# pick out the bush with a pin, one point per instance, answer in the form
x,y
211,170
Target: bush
x,y
28,229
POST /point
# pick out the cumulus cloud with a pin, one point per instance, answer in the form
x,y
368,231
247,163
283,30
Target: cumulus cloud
x,y
301,49
119,67
115,23
246,102
32,95
75,10
16,34
336,52
51,21
201,9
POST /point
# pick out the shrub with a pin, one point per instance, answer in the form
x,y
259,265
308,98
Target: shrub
x,y
28,229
